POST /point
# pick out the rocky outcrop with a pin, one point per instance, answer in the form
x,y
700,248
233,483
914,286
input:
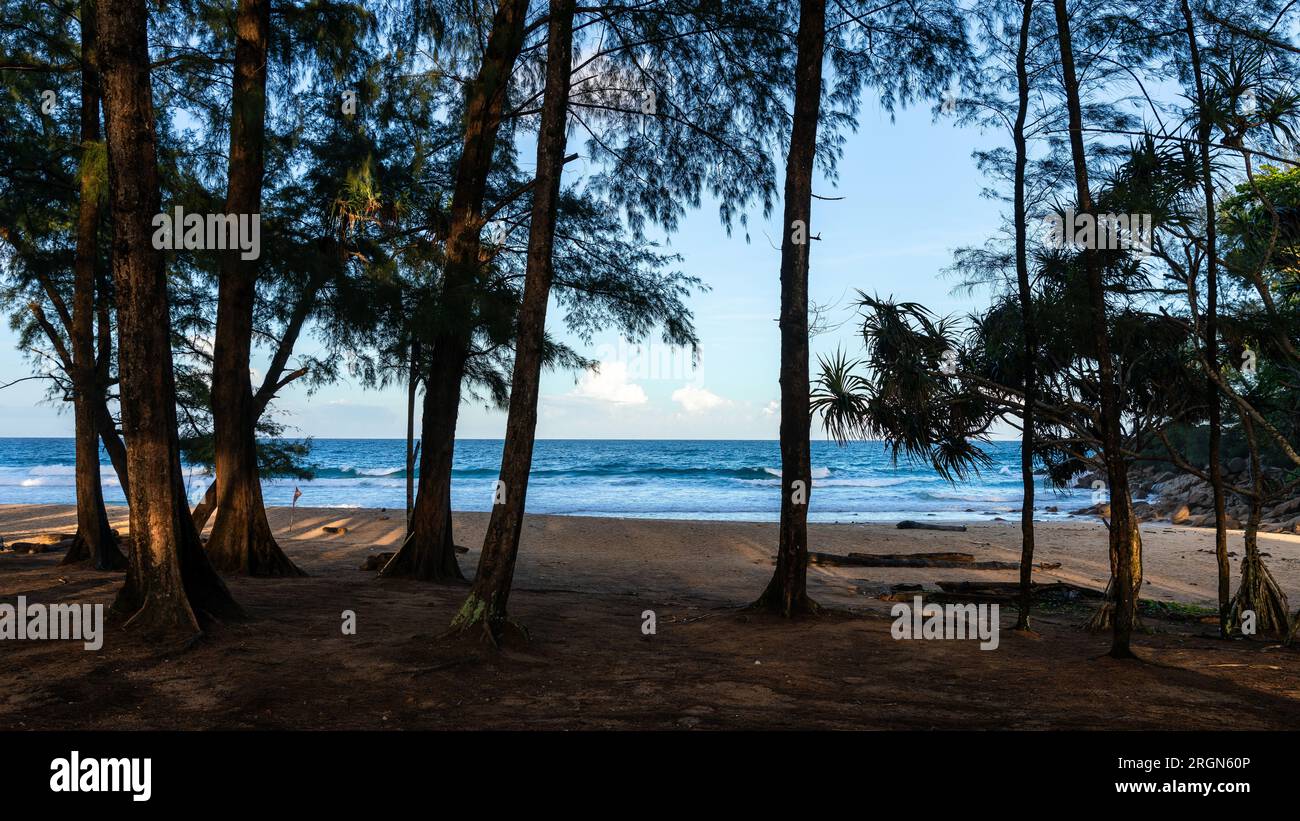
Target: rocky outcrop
x,y
1183,499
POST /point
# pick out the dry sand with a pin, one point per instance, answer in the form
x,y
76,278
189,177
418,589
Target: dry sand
x,y
581,588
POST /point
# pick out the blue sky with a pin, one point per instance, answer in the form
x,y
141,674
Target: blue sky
x,y
911,196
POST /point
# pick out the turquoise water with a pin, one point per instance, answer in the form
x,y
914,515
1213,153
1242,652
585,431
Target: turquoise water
x,y
735,480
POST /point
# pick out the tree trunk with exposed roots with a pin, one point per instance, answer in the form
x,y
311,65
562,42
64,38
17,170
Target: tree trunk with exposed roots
x,y
1259,592
94,540
429,552
1124,541
171,590
241,540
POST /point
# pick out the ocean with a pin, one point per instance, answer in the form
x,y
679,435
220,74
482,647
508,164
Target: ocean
x,y
669,479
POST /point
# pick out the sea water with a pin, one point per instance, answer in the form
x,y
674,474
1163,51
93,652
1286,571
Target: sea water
x,y
731,480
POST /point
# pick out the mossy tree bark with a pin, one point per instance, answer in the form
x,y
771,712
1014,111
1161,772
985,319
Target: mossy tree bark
x,y
241,539
1124,541
486,603
787,592
171,590
429,552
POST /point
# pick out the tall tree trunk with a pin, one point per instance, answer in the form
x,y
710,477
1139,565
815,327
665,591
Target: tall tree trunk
x,y
95,539
787,592
104,423
206,507
1125,541
412,388
486,603
1203,129
241,539
107,427
274,380
428,552
171,589
1030,331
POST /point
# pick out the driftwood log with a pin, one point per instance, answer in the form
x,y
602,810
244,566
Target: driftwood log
x,y
908,524
991,592
964,560
908,560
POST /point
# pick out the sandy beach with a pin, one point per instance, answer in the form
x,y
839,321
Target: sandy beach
x,y
582,587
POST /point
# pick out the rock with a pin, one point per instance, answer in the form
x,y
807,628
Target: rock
x,y
376,561
1286,509
1182,514
338,531
1051,509
1237,464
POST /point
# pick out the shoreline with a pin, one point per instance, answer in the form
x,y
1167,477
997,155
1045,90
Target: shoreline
x,y
1179,565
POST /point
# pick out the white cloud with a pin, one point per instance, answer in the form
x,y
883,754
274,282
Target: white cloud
x,y
773,408
610,384
695,399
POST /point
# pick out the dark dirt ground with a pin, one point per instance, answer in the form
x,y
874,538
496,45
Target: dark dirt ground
x,y
582,586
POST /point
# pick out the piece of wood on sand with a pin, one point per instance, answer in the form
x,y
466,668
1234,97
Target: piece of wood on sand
x,y
965,560
962,560
908,524
990,592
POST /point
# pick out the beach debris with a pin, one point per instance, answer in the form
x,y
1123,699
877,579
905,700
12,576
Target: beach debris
x,y
908,524
965,560
26,547
991,592
376,561
909,560
46,543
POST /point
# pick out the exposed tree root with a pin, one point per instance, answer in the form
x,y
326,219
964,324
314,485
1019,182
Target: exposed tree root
x,y
1121,651
242,542
1104,618
417,559
482,615
107,556
1260,593
775,600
